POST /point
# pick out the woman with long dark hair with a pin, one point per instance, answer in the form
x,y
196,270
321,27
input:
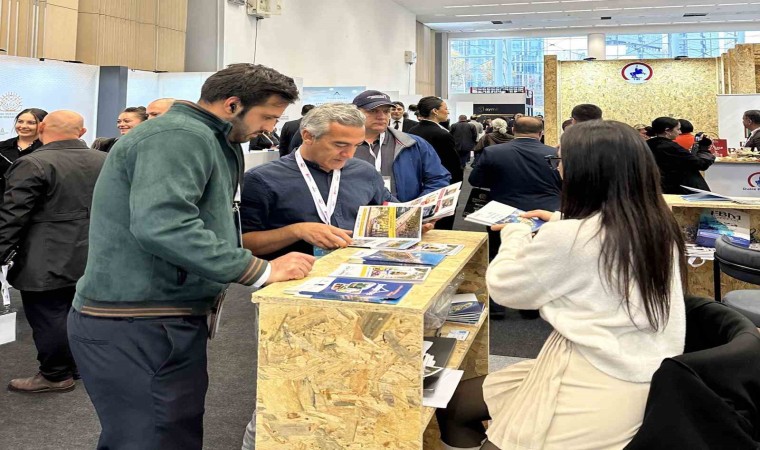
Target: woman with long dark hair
x,y
607,275
678,166
26,140
433,111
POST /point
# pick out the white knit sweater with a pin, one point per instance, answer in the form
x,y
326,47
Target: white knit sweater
x,y
558,272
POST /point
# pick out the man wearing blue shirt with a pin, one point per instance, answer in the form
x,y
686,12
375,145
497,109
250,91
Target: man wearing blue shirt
x,y
279,211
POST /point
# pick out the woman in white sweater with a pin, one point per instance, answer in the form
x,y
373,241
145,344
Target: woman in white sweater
x,y
607,275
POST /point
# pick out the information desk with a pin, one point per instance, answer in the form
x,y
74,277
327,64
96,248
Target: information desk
x,y
735,179
687,214
348,375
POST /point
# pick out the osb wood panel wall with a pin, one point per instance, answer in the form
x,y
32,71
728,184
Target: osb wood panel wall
x,y
552,123
742,69
681,89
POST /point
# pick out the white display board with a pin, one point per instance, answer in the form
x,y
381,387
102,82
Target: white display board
x,y
730,111
49,85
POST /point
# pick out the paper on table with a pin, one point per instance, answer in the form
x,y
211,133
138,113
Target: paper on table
x,y
447,384
426,346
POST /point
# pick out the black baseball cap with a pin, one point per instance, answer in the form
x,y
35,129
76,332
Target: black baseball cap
x,y
372,99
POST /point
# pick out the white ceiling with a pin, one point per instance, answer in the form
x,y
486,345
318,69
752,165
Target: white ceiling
x,y
583,16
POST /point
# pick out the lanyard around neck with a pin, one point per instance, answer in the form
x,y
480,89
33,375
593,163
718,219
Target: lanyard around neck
x,y
378,154
325,211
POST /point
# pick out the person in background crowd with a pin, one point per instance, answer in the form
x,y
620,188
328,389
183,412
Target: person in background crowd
x,y
414,110
164,245
616,315
586,112
478,126
26,141
678,166
265,141
158,107
499,135
643,130
290,134
127,120
566,124
487,127
465,137
398,120
511,122
433,111
686,138
517,174
408,164
45,216
751,121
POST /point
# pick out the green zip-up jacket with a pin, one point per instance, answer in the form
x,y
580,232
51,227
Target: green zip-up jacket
x,y
163,240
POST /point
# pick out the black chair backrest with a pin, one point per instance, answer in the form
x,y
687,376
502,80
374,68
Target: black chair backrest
x,y
738,262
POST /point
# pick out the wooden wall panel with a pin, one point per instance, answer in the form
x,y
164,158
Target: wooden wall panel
x,y
70,4
145,57
87,38
89,6
147,11
172,14
24,29
742,65
58,42
170,54
425,84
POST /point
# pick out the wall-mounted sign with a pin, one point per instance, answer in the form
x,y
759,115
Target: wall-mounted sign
x,y
637,72
479,109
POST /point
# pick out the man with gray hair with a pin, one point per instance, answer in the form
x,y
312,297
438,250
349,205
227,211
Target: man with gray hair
x,y
307,201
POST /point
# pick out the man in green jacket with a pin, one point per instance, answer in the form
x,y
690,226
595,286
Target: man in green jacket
x,y
163,247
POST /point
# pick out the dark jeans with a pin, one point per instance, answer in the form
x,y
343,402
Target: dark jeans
x,y
464,158
146,378
46,312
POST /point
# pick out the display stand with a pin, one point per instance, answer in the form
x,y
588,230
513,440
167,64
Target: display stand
x,y
348,375
701,278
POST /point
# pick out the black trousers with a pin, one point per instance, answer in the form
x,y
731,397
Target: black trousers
x,y
147,379
46,312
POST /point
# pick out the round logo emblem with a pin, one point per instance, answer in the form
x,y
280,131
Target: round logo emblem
x,y
754,180
637,73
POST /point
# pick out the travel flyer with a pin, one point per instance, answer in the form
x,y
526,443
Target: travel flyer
x,y
409,274
498,213
437,204
395,257
356,290
394,227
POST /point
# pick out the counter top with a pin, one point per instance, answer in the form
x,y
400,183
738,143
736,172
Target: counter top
x,y
724,161
676,201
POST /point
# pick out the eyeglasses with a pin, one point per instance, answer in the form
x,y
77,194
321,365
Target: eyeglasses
x,y
553,161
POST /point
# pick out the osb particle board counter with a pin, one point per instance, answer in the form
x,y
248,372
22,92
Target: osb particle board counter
x,y
687,214
348,375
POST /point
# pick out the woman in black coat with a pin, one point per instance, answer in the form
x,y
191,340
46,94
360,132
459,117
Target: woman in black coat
x,y
433,111
25,142
678,166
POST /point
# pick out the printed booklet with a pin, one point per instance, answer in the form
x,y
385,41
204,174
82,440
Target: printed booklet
x,y
714,223
394,227
497,213
398,257
409,274
465,309
437,204
441,249
355,290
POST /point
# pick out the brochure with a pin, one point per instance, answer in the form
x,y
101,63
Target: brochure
x,y
396,257
707,196
437,204
442,249
465,309
714,223
355,290
394,227
497,213
409,274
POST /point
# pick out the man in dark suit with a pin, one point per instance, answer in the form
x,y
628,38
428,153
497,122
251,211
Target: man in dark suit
x,y
751,122
46,216
465,136
398,121
290,136
518,175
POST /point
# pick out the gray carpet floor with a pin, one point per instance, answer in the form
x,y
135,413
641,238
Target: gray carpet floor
x,y
68,421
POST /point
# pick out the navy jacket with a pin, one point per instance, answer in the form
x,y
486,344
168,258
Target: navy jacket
x,y
518,175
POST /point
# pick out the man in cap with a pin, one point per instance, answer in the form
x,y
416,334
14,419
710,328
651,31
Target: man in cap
x,y
408,164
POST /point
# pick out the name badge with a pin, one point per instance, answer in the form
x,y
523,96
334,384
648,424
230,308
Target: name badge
x,y
387,183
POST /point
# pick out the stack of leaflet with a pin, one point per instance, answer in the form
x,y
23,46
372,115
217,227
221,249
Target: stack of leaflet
x,y
707,196
407,274
398,257
704,253
465,309
390,227
441,249
714,223
355,290
498,213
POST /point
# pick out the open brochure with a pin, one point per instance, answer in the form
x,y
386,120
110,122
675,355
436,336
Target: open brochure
x,y
395,227
398,257
437,204
497,213
408,274
355,290
707,196
441,249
